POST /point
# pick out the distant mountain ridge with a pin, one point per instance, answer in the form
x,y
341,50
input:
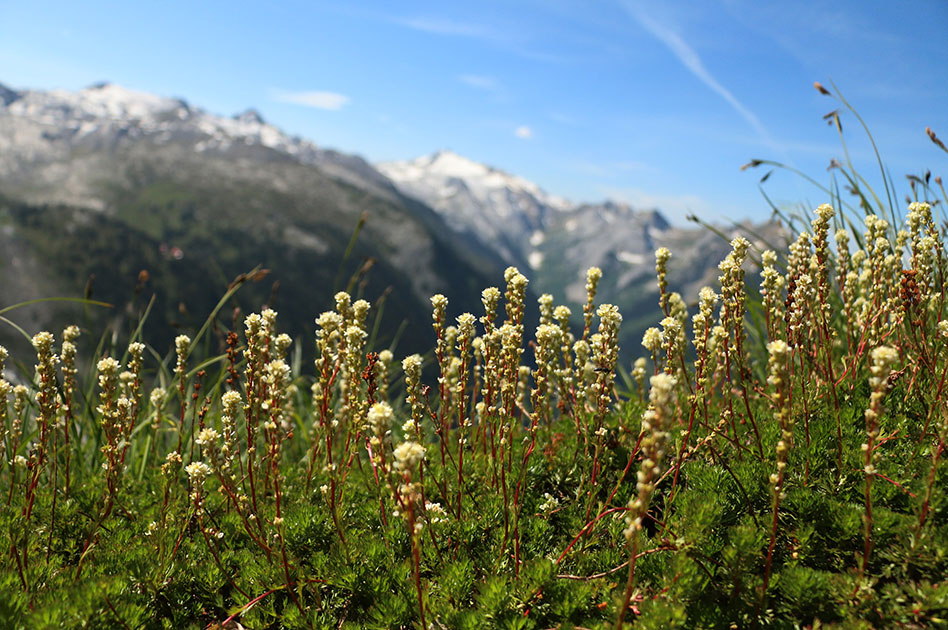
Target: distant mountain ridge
x,y
106,116
82,170
106,182
505,210
559,240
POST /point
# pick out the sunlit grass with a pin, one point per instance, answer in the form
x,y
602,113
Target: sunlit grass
x,y
776,461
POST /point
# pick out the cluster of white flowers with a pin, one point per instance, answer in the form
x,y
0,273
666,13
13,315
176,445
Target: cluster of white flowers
x,y
436,513
490,298
545,302
197,472
654,436
207,437
549,504
593,276
182,344
662,254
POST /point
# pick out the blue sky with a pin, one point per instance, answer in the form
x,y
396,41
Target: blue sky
x,y
658,104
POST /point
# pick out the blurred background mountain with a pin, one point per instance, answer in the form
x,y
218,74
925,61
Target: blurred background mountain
x,y
120,196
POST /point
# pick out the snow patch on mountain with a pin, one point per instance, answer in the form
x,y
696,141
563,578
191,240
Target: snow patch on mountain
x,y
39,127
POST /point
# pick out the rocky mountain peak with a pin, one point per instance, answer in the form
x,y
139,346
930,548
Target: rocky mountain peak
x,y
7,95
108,100
250,116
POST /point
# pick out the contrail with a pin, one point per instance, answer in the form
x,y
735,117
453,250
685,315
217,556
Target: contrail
x,y
690,59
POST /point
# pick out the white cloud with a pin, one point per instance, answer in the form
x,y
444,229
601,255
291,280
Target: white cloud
x,y
312,98
693,63
523,132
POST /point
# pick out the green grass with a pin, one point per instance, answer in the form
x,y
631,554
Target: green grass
x,y
314,517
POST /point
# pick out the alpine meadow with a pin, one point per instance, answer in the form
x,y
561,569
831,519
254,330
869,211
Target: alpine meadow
x,y
772,458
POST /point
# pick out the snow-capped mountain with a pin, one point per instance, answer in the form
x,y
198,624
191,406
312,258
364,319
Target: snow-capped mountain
x,y
559,240
516,217
504,210
106,182
117,179
42,127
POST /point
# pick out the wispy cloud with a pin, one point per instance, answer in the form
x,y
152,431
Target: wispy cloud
x,y
480,82
514,38
610,169
693,63
312,98
523,132
443,26
674,207
563,119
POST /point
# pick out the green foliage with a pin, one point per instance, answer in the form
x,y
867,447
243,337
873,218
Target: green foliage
x,y
740,490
